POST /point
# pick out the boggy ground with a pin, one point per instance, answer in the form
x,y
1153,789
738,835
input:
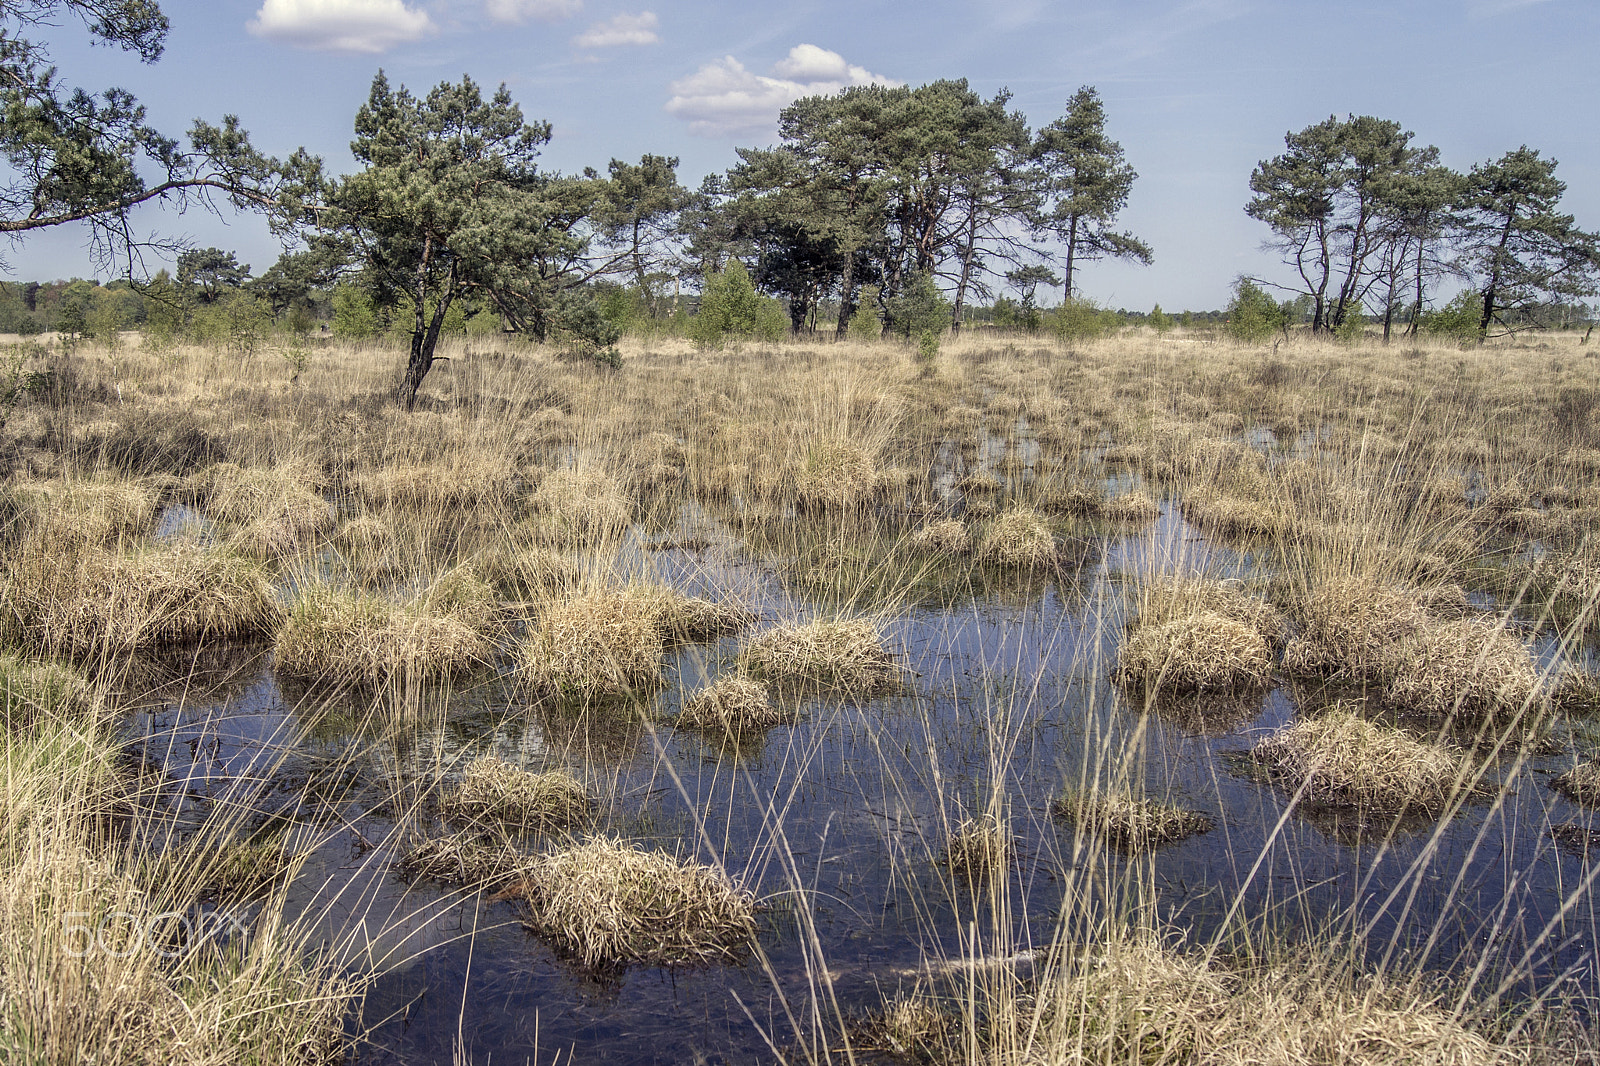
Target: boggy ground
x,y
1157,678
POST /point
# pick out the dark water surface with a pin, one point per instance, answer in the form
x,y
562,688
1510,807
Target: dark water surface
x,y
842,817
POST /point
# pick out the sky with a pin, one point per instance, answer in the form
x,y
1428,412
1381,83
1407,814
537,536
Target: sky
x,y
1197,92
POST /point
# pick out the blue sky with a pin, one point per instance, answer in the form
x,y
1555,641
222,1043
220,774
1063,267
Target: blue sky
x,y
1197,92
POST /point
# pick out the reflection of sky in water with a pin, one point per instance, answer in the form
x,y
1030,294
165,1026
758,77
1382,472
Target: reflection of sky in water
x,y
845,809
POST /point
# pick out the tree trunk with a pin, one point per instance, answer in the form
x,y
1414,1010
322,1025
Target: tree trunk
x,y
1072,252
847,298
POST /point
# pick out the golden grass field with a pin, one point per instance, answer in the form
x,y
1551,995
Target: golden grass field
x,y
1424,525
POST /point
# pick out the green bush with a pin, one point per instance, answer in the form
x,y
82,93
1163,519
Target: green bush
x,y
919,308
730,307
1080,319
1253,316
1457,319
354,317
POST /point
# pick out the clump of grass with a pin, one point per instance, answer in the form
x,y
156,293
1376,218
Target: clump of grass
x,y
732,704
607,642
911,1026
93,512
946,537
278,509
464,858
1204,652
31,691
690,619
530,571
1132,507
357,638
1136,999
1581,783
1018,538
1341,758
584,504
1470,668
978,847
101,601
608,902
836,476
1578,692
229,870
491,790
1232,517
1129,822
1175,599
847,654
1349,627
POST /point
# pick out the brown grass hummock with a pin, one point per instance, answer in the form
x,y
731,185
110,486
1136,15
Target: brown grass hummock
x,y
1578,692
101,601
352,637
1204,652
979,847
608,902
690,619
462,859
1471,668
600,644
1127,822
1581,783
583,504
1176,599
1342,758
491,790
1018,539
1350,627
31,691
847,654
732,704
946,537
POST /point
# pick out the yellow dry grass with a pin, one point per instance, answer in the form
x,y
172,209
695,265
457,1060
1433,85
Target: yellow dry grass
x,y
583,504
1582,782
1204,652
979,847
848,654
93,512
1342,758
492,791
357,638
1175,599
732,704
31,691
1134,823
606,642
1350,627
945,537
607,902
1472,668
1019,538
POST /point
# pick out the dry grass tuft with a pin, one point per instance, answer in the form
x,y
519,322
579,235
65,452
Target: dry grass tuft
x,y
1129,822
847,654
356,638
1471,668
278,509
732,704
689,619
1175,599
608,642
909,1026
1231,517
492,790
585,505
1134,507
836,476
1349,627
1135,999
1342,758
1581,783
1578,692
462,859
1204,652
946,537
100,601
608,902
1018,538
85,512
32,691
979,847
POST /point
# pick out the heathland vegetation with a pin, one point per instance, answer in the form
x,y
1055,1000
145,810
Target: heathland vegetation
x,y
533,586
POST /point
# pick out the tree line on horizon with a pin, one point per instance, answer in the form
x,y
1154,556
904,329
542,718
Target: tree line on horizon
x,y
879,207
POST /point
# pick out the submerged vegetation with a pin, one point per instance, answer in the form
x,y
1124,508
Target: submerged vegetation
x,y
1013,689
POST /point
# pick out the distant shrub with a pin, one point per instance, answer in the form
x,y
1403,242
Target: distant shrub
x,y
730,307
1253,315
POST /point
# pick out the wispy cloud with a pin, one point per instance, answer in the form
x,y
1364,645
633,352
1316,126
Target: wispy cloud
x,y
518,11
620,30
724,98
340,25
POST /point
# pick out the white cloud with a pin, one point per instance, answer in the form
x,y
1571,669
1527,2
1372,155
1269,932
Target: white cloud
x,y
523,10
340,25
623,29
724,98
